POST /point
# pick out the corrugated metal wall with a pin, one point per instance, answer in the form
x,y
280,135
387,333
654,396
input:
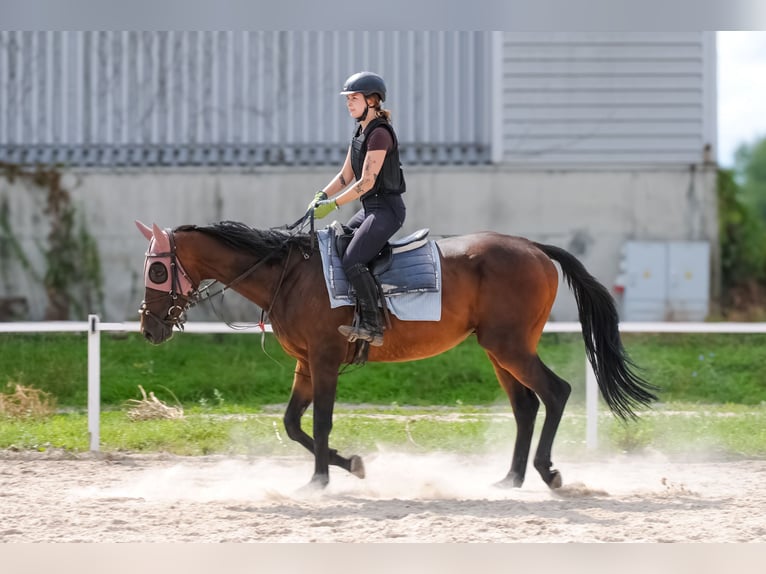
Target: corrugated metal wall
x,y
608,97
235,98
270,98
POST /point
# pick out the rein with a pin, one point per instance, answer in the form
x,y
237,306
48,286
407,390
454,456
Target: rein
x,y
296,227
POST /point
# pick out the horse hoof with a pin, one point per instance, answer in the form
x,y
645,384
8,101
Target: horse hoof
x,y
357,466
555,480
318,482
510,481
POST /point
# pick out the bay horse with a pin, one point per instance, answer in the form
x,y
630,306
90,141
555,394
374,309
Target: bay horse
x,y
498,287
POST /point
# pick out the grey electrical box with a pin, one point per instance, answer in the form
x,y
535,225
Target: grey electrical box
x,y
664,281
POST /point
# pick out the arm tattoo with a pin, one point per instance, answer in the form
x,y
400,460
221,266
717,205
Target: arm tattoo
x,y
342,179
368,179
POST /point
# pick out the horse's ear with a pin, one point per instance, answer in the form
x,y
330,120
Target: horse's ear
x,y
157,231
144,229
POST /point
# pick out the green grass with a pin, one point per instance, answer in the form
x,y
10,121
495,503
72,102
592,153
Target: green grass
x,y
206,369
692,430
681,430
713,398
726,368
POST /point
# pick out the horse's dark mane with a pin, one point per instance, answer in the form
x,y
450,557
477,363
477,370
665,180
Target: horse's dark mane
x,y
258,242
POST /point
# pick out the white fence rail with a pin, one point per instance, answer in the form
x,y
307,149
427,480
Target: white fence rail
x,y
93,326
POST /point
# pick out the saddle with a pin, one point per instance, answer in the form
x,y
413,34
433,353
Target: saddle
x,y
383,260
408,270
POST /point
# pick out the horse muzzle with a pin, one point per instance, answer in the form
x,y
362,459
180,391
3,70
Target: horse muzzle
x,y
154,329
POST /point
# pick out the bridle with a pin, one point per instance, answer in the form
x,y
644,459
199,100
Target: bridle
x,y
183,293
181,285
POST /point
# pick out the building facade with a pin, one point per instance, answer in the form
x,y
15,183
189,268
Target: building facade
x,y
586,140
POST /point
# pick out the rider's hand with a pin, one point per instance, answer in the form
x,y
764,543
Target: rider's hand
x,y
324,207
320,196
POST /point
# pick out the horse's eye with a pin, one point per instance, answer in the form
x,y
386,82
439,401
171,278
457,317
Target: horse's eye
x,y
158,273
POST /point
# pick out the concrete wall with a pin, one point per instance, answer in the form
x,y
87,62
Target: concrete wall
x,y
590,213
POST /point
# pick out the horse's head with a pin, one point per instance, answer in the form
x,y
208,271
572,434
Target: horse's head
x,y
169,290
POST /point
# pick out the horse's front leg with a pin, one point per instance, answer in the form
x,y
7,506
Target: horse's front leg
x,y
324,380
300,399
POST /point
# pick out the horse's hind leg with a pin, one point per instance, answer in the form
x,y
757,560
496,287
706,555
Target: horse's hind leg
x,y
300,399
552,390
525,405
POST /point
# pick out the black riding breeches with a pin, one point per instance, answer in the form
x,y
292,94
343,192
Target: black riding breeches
x,y
380,217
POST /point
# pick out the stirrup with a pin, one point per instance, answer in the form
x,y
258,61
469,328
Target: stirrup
x,y
352,333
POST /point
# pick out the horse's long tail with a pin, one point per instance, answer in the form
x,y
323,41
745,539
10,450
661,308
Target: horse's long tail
x,y
621,388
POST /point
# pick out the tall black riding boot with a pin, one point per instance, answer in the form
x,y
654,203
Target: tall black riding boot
x,y
370,327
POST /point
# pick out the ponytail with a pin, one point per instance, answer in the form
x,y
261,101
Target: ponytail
x,y
379,111
385,114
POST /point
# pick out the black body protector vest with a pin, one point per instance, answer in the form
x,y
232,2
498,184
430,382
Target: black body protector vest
x,y
390,179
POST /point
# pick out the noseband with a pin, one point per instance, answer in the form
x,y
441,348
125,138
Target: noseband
x,y
180,285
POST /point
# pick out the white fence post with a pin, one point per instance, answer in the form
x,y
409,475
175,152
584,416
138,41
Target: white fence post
x,y
591,407
94,381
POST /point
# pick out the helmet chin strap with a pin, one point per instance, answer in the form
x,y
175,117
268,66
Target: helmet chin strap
x,y
361,118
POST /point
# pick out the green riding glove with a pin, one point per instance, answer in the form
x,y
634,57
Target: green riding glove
x,y
324,208
320,196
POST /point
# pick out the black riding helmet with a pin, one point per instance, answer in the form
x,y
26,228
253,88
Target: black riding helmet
x,y
366,83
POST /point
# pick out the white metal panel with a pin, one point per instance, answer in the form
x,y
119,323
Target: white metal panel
x,y
535,116
710,88
607,98
589,142
625,128
604,98
604,81
499,124
566,66
645,282
665,281
688,280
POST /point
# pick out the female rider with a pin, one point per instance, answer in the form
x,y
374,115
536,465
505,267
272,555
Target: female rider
x,y
373,162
